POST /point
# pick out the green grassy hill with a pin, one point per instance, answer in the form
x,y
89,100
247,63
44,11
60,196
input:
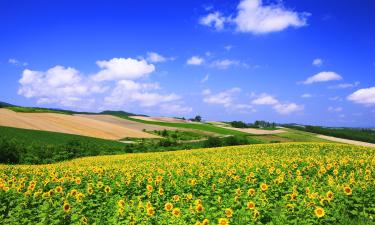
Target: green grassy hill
x,y
34,146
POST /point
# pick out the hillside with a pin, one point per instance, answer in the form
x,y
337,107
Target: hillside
x,y
34,146
63,123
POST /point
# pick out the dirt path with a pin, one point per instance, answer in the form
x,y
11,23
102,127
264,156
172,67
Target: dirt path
x,y
347,141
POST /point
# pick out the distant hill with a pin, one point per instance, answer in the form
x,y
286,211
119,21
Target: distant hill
x,y
63,111
119,113
4,104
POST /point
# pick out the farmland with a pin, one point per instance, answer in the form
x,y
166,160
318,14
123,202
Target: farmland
x,y
58,122
301,183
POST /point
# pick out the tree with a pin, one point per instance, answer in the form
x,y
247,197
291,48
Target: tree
x,y
197,118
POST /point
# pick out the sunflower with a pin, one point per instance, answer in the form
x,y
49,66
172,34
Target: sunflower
x,y
176,212
251,192
73,192
229,212
223,221
347,190
121,203
149,188
66,207
319,212
264,186
199,207
251,205
58,189
107,189
205,222
329,195
84,220
150,211
168,206
176,198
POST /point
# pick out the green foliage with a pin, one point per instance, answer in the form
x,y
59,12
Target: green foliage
x,y
38,110
358,134
179,135
239,124
37,147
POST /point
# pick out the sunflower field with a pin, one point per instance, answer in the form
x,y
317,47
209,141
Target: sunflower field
x,y
289,183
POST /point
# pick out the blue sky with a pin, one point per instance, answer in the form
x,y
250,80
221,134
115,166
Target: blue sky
x,y
310,62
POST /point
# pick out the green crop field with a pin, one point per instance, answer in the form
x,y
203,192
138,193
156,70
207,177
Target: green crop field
x,y
196,126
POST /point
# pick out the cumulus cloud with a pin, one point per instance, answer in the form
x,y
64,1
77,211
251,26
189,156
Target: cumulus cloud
x,y
265,99
58,84
66,86
364,96
224,98
288,108
175,109
121,68
128,91
254,17
155,57
317,62
224,64
323,77
281,108
214,19
195,60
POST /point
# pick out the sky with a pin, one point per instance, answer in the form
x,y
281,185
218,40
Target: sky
x,y
309,62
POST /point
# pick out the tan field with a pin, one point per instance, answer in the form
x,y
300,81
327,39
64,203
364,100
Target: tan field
x,y
126,123
159,119
69,124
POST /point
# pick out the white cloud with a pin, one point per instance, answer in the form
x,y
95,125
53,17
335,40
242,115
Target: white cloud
x,y
205,78
288,108
195,60
155,57
224,64
128,91
281,108
174,109
68,87
121,68
16,62
254,17
317,62
65,86
265,99
224,98
365,96
306,95
214,19
344,85
334,109
323,77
